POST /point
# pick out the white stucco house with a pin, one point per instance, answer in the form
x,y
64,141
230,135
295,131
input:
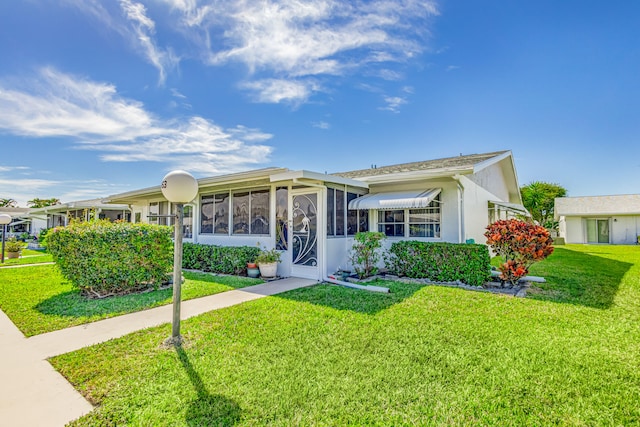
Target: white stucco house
x,y
312,217
599,219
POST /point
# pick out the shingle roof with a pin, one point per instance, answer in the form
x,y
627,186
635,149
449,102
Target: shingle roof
x,y
457,163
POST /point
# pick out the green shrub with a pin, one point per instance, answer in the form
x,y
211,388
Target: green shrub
x,y
13,245
102,258
365,252
440,262
218,259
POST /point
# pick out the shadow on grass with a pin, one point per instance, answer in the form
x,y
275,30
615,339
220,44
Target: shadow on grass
x,y
577,277
343,298
207,409
72,304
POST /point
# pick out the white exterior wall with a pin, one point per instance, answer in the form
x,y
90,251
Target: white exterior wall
x,y
337,253
624,229
476,206
574,231
493,180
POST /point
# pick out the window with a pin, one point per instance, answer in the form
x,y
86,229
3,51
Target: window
x,y
391,223
138,217
214,214
251,212
340,219
153,213
282,218
357,219
411,222
187,224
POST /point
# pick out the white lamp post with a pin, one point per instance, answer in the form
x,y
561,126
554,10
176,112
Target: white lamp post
x,y
178,187
4,220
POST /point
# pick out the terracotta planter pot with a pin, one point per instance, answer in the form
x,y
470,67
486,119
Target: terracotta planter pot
x,y
268,269
13,255
251,265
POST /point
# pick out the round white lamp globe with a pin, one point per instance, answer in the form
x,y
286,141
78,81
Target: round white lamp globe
x,y
5,219
179,187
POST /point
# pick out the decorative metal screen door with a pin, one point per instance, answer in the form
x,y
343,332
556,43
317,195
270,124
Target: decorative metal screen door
x,y
304,236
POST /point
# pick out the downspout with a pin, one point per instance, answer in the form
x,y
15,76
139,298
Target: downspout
x,y
460,187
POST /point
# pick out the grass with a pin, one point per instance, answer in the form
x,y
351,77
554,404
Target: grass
x,y
28,256
422,355
38,299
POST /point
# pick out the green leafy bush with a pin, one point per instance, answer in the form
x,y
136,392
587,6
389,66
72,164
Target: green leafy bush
x,y
440,262
218,259
103,258
365,252
13,245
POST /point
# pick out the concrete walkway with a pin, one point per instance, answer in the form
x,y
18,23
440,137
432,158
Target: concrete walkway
x,y
32,393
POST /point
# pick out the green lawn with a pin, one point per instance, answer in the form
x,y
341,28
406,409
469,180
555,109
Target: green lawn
x,y
38,299
422,355
28,256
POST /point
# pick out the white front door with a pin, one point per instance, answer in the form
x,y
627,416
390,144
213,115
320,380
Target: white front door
x,y
305,242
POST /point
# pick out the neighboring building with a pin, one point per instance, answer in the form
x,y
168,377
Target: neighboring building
x,y
599,219
20,220
60,214
312,217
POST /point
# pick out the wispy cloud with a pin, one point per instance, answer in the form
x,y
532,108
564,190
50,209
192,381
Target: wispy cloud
x,y
290,40
321,125
135,26
393,103
96,117
13,168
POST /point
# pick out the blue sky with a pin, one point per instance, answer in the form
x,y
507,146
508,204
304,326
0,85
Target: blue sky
x,y
100,97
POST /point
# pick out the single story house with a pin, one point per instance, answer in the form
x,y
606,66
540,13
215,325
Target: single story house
x,y
20,220
312,217
60,214
599,219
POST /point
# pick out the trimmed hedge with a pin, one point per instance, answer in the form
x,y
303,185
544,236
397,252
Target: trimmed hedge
x,y
440,262
104,258
218,259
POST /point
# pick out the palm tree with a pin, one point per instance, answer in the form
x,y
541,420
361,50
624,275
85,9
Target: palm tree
x,y
8,203
538,197
41,203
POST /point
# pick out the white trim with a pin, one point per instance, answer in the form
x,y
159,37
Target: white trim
x,y
322,177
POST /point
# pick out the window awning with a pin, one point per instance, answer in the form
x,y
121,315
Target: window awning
x,y
396,200
511,206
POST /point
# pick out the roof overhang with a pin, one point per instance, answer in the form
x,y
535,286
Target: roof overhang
x,y
316,176
515,207
416,175
396,200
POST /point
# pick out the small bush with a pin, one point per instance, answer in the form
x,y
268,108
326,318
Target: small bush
x,y
13,245
218,259
440,262
520,244
365,252
102,258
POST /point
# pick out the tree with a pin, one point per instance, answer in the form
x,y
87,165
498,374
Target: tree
x,y
8,203
539,198
41,203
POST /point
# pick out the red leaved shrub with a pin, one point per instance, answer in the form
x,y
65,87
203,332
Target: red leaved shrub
x,y
520,244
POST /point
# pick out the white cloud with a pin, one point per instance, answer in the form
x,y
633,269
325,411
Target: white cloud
x,y
13,168
136,28
275,91
285,40
321,125
393,103
97,118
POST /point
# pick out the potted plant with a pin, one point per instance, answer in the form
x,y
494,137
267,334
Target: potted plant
x,y
13,248
267,261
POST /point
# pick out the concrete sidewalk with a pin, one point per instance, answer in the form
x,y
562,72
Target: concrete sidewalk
x,y
32,393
